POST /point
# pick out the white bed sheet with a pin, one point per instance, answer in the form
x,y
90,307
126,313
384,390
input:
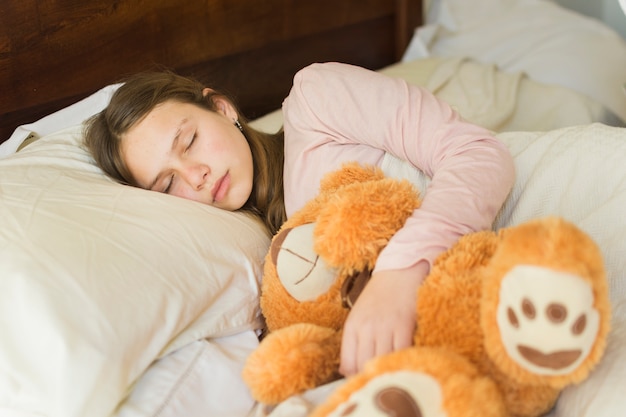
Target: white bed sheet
x,y
198,380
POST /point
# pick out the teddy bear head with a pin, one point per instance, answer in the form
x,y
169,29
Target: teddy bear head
x,y
323,255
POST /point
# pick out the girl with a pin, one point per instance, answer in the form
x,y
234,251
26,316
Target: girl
x,y
170,134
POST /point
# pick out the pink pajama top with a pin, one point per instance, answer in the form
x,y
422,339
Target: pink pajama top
x,y
336,113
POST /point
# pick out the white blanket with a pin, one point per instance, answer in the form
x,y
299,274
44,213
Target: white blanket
x,y
501,101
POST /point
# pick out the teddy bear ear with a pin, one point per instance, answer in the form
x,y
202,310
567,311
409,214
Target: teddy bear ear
x,y
349,173
277,243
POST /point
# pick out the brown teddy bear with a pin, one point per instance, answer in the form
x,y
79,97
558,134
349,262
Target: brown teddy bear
x,y
506,319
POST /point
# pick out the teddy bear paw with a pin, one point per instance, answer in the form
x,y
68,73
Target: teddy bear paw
x,y
418,381
401,393
547,321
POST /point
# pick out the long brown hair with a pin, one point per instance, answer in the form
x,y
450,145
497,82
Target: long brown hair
x,y
141,93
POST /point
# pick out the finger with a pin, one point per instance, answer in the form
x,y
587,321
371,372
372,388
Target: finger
x,y
402,338
384,343
366,350
348,360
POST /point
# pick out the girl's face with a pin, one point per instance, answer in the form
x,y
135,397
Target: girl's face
x,y
190,152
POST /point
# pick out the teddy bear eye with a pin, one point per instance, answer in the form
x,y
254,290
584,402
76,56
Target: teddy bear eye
x,y
528,309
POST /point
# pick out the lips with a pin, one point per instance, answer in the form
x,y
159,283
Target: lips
x,y
220,188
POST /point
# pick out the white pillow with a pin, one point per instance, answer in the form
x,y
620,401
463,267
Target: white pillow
x,y
99,280
71,115
551,44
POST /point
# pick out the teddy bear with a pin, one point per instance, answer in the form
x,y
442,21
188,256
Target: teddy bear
x,y
506,319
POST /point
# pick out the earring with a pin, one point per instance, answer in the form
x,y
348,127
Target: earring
x,y
239,126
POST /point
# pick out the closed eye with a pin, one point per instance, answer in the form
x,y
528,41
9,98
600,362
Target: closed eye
x,y
169,185
191,142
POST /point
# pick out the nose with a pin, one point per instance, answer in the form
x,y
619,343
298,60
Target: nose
x,y
195,175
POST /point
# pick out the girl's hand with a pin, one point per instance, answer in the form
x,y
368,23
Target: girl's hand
x,y
383,318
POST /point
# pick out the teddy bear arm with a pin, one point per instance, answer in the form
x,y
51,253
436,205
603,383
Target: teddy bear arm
x,y
358,221
292,360
448,304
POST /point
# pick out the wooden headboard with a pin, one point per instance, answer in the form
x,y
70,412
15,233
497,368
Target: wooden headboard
x,y
54,53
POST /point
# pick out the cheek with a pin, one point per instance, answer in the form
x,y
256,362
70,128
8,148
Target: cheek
x,y
225,139
209,148
221,144
179,192
187,193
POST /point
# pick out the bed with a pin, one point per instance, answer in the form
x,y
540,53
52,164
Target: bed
x,y
93,326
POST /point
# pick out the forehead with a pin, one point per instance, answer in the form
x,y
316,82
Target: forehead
x,y
161,116
146,146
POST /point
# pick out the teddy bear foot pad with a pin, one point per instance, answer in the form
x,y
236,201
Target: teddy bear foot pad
x,y
402,393
416,382
547,320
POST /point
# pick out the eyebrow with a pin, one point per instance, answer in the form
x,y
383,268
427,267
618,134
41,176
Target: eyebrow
x,y
174,144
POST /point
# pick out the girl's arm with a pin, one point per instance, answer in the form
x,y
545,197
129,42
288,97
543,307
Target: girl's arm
x,y
337,104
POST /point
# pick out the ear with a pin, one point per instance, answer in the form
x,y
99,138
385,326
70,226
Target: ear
x,y
222,104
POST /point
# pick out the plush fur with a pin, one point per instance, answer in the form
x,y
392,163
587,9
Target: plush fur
x,y
506,319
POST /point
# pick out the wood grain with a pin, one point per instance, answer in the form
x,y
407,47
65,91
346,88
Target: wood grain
x,y
55,52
